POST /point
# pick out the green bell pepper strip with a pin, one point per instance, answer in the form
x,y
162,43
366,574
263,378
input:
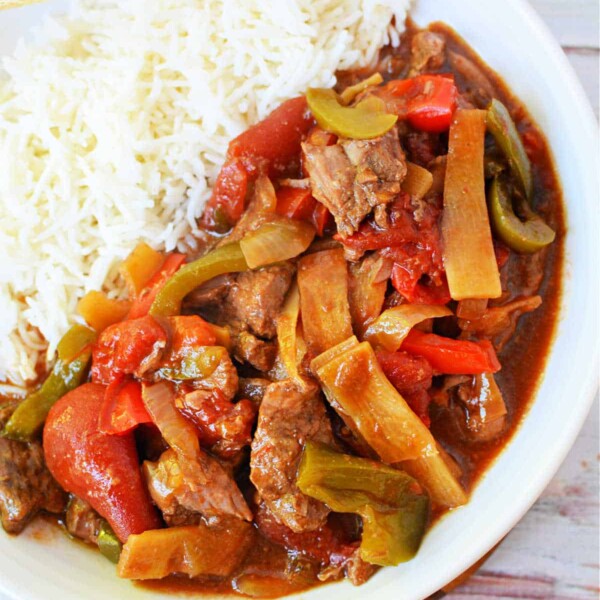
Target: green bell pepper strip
x,y
500,124
526,236
366,120
68,373
393,507
226,259
108,543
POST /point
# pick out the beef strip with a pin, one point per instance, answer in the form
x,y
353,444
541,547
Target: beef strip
x,y
26,486
82,521
355,176
181,501
288,417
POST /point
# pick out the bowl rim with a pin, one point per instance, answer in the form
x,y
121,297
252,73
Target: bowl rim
x,y
586,388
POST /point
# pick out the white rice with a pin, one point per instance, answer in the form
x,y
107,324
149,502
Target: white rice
x,y
113,126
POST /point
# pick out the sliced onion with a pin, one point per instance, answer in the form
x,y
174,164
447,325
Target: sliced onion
x,y
392,326
276,241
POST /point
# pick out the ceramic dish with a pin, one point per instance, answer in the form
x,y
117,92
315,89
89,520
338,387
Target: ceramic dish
x,y
43,563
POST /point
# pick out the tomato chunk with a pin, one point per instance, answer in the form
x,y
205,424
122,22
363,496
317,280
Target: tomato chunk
x,y
123,408
102,469
453,357
123,347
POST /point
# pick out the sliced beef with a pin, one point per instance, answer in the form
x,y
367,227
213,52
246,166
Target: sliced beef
x,y
82,521
182,501
380,167
26,486
355,176
332,182
427,52
288,417
474,85
254,351
223,379
253,388
255,298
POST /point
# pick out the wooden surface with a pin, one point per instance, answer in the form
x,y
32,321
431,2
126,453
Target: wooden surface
x,y
554,551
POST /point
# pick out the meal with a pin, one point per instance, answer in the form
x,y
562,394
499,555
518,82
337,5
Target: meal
x,y
352,337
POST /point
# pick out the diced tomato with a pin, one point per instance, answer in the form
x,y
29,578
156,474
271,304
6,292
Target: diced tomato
x,y
427,102
123,408
143,302
122,347
453,357
188,332
295,203
102,469
228,199
273,143
411,376
410,284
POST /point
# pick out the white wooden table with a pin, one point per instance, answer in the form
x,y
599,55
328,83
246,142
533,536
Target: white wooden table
x,y
554,552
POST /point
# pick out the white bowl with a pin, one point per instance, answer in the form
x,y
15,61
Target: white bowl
x,y
513,41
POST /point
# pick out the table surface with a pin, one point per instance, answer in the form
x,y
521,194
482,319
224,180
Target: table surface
x,y
554,551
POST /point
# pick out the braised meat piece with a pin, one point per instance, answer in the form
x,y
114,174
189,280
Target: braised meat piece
x,y
254,300
332,182
427,52
182,501
26,486
355,176
288,417
82,521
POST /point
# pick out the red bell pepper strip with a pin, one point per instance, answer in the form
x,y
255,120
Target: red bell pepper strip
x,y
102,469
123,408
322,219
427,102
295,203
227,202
143,302
122,347
452,357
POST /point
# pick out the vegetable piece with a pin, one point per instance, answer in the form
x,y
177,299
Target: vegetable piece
x,y
108,543
358,390
348,95
526,236
392,326
501,126
484,406
471,309
144,301
367,285
126,348
418,181
68,372
287,326
123,408
295,203
228,199
366,120
436,475
99,311
219,494
428,102
193,550
222,336
274,142
448,356
140,267
99,468
226,259
199,362
469,257
392,505
323,283
276,241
